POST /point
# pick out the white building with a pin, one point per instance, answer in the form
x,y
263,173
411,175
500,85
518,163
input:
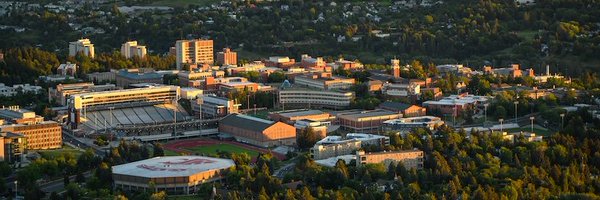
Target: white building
x,y
401,90
307,98
68,69
24,88
131,49
406,124
212,106
83,45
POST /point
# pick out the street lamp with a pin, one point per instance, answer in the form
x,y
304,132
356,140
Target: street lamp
x,y
176,100
485,113
516,105
531,118
501,120
16,190
562,120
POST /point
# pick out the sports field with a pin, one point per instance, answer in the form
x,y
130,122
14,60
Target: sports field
x,y
207,146
215,148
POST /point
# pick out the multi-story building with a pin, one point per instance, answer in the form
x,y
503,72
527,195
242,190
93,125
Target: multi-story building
x,y
13,147
313,64
291,116
256,131
226,88
102,77
312,98
409,123
280,62
346,64
39,134
43,135
455,104
320,128
364,120
187,77
324,81
194,52
513,71
458,70
84,46
68,69
227,57
125,78
411,159
15,89
332,146
61,93
81,103
335,148
211,106
16,115
401,90
131,49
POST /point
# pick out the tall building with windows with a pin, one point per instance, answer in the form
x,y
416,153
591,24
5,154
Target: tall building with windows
x,y
194,52
227,57
38,133
131,49
83,45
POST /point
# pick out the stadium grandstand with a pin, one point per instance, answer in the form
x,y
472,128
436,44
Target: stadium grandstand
x,y
139,106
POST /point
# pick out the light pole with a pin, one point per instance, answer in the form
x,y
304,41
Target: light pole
x,y
16,189
531,118
562,120
111,115
176,100
516,111
501,120
485,113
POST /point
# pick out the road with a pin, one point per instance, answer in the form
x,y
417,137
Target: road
x,y
282,171
69,138
58,185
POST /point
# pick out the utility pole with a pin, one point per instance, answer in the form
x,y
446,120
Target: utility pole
x,y
562,120
516,105
501,120
531,118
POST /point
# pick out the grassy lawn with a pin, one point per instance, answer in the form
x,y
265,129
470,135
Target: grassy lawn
x,y
181,197
57,152
171,153
537,131
527,35
213,149
183,3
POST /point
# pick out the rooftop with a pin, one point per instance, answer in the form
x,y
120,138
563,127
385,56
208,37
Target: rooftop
x,y
172,166
365,114
130,75
246,122
295,113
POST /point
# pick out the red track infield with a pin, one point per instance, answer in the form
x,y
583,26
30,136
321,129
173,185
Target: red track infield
x,y
180,145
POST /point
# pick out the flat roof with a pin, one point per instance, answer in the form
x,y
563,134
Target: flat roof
x,y
366,113
172,166
330,162
131,75
300,113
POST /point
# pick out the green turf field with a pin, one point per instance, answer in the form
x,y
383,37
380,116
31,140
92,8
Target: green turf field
x,y
213,149
56,152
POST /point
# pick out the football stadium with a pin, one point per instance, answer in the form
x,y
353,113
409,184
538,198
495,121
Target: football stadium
x,y
140,106
173,174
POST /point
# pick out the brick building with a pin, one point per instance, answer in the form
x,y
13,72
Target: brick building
x,y
256,131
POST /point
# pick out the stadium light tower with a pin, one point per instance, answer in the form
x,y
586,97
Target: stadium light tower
x,y
177,98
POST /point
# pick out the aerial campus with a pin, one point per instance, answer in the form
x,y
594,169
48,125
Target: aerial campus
x,y
202,116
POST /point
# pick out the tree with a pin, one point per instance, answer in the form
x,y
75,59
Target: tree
x,y
162,195
307,138
276,77
158,150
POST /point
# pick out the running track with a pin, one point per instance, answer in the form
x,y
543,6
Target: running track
x,y
180,145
